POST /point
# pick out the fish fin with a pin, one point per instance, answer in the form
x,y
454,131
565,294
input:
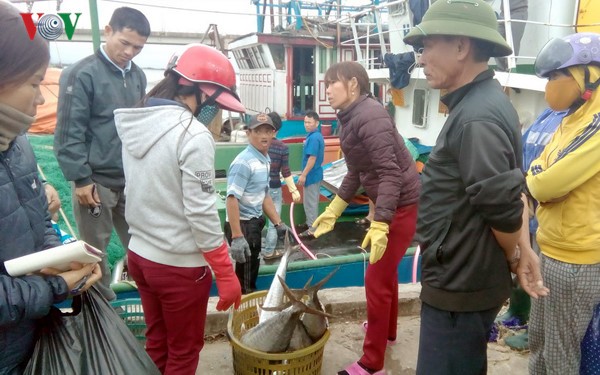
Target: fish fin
x,y
295,300
319,285
307,285
310,310
277,308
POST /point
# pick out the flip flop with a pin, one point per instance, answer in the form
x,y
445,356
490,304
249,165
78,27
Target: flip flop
x,y
275,254
356,369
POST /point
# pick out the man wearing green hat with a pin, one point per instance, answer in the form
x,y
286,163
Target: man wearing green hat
x,y
471,207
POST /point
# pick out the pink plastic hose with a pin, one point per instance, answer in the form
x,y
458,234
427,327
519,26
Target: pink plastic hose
x,y
415,264
302,246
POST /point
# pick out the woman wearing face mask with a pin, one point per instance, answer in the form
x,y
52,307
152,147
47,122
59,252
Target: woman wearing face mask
x,y
168,158
565,180
378,160
25,225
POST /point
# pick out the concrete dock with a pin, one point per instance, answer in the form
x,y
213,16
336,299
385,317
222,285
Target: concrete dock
x,y
345,343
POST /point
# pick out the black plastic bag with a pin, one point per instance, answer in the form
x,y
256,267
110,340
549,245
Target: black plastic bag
x,y
93,339
590,346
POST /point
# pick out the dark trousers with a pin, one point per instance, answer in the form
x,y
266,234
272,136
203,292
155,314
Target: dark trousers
x,y
247,272
454,343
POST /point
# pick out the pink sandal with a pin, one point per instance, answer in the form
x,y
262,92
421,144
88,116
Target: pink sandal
x,y
389,342
356,369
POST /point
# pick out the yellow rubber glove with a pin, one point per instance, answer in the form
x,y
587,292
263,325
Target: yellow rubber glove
x,y
326,221
377,237
289,181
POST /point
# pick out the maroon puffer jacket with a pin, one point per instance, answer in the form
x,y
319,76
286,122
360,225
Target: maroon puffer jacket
x,y
377,159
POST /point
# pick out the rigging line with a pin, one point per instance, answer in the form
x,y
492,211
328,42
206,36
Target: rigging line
x,y
367,11
307,27
184,9
313,17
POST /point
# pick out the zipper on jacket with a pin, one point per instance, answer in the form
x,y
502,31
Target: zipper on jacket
x,y
124,82
6,162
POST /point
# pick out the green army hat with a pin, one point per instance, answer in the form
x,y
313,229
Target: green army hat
x,y
471,18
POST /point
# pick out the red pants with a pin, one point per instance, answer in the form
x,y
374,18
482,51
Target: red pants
x,y
381,287
175,301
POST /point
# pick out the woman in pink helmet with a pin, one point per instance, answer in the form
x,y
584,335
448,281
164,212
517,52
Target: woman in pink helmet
x,y
168,157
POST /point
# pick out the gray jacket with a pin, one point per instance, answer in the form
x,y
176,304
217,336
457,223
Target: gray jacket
x,y
86,143
171,205
25,228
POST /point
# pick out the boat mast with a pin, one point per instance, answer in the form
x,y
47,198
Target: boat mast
x,y
95,24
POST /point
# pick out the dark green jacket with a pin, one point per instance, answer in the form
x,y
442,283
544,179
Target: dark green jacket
x,y
472,183
86,143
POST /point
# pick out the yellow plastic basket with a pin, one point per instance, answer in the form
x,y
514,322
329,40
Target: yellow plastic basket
x,y
247,361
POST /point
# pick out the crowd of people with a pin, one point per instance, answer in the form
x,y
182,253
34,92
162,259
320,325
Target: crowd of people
x,y
490,203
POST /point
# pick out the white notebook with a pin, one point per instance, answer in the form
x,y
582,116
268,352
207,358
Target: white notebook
x,y
58,257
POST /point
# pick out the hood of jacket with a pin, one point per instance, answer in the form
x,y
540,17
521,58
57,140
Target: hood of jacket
x,y
141,128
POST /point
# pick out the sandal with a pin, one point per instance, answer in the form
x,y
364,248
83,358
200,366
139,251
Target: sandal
x,y
274,255
363,221
357,369
365,325
306,235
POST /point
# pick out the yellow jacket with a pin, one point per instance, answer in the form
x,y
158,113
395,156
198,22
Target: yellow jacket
x,y
569,166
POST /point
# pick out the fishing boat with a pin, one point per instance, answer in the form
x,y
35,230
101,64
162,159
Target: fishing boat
x,y
283,70
419,114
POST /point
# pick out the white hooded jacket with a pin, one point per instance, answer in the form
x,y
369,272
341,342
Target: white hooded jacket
x,y
168,158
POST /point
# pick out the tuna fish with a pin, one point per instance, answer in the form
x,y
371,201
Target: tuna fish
x,y
316,324
300,338
274,296
274,335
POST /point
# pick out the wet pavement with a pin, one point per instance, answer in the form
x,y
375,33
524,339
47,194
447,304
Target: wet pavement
x,y
345,344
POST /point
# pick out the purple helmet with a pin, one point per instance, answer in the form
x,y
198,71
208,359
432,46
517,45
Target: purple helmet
x,y
574,49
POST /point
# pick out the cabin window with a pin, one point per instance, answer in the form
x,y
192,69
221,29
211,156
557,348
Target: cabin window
x,y
254,58
327,57
247,58
278,54
259,57
240,59
419,117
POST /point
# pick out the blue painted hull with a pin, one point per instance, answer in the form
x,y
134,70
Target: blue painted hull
x,y
351,273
